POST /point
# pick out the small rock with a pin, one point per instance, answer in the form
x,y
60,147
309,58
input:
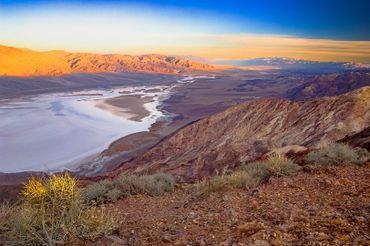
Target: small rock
x,y
255,192
249,228
312,212
166,238
232,212
360,239
284,227
293,149
359,219
338,222
321,236
309,168
344,238
201,242
259,243
111,241
225,198
228,242
254,204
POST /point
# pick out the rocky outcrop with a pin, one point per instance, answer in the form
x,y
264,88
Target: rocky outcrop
x,y
330,85
25,62
245,132
361,139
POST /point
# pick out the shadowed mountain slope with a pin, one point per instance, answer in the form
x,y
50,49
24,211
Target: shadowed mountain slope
x,y
360,139
331,85
247,131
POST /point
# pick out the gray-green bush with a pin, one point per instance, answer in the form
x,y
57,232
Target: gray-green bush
x,y
152,185
114,194
337,153
250,175
95,192
125,185
167,181
280,165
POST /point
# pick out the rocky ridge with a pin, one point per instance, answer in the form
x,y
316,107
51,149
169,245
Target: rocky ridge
x,y
330,85
25,62
247,131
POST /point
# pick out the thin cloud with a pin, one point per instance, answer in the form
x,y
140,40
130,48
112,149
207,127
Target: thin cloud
x,y
252,46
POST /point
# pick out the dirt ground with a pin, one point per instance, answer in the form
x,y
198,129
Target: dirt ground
x,y
317,206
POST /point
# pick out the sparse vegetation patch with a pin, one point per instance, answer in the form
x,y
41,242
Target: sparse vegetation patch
x,y
280,165
250,175
337,153
125,185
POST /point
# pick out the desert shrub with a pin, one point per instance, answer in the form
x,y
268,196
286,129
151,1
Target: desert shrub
x,y
152,185
107,183
252,175
95,192
337,153
7,211
280,165
148,185
238,179
125,185
53,212
167,181
248,176
128,184
114,194
258,170
214,184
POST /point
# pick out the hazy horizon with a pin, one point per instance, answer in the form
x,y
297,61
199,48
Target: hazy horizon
x,y
330,31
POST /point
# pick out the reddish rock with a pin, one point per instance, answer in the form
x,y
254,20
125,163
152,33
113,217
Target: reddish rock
x,y
330,85
247,131
249,228
295,210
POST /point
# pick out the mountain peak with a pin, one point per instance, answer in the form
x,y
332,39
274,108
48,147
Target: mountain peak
x,y
24,62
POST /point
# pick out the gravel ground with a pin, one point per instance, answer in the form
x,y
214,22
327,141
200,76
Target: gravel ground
x,y
317,206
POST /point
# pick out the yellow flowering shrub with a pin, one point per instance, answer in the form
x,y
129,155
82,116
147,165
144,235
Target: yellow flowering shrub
x,y
54,212
61,189
34,191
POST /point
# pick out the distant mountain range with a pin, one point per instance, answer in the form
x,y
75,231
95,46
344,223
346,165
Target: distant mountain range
x,y
26,62
296,64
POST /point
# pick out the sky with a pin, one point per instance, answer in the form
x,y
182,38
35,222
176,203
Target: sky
x,y
315,30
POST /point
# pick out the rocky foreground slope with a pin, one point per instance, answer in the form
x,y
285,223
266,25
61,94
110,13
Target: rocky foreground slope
x,y
25,62
247,131
320,206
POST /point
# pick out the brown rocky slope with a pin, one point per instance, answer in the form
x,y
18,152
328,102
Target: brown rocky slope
x,y
247,131
330,85
319,206
25,62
